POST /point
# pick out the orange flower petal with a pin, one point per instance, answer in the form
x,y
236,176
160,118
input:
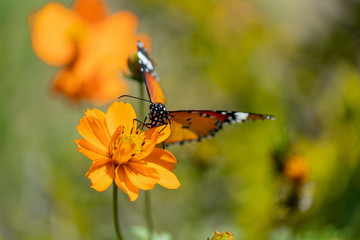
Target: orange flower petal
x,y
113,39
120,114
90,10
163,161
54,30
101,174
109,87
154,135
96,113
94,131
164,155
143,168
67,83
163,158
148,148
167,178
90,150
91,81
163,131
139,180
123,152
124,183
99,127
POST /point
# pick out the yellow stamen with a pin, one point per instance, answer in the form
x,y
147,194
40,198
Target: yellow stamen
x,y
135,138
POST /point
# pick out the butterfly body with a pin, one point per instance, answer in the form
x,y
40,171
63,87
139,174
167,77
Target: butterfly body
x,y
158,115
186,125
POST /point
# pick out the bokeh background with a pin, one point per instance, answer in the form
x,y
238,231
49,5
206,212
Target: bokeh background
x,y
298,60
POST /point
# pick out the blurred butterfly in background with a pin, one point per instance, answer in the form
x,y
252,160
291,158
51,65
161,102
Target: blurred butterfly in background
x,y
186,125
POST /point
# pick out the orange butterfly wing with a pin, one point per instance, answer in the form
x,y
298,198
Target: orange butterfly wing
x,y
194,125
153,88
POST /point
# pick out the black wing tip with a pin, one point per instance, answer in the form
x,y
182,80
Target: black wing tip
x,y
140,44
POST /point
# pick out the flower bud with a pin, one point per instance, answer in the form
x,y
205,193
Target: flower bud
x,y
134,66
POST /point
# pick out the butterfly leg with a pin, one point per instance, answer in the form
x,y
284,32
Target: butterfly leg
x,y
165,125
148,125
163,143
142,123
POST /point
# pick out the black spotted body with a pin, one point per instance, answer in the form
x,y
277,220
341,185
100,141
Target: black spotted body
x,y
158,115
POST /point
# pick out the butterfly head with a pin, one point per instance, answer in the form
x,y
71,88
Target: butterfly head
x,y
158,115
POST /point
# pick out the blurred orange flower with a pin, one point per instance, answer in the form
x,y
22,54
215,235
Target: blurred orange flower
x,y
91,46
296,168
123,153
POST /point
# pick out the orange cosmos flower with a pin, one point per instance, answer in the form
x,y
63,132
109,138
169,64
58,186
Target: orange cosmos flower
x,y
91,46
123,153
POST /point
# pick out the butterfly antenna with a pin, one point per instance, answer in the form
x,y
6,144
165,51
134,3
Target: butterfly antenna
x,y
123,96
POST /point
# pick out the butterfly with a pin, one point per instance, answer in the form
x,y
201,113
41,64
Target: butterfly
x,y
186,125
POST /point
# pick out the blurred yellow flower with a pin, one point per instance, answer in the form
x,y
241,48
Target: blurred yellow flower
x,y
297,168
123,153
91,46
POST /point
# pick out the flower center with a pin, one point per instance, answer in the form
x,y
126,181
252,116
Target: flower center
x,y
126,144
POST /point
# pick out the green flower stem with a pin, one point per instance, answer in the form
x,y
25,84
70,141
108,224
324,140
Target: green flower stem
x,y
115,212
148,214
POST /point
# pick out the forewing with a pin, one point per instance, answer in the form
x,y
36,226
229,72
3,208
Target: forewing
x,y
153,88
150,77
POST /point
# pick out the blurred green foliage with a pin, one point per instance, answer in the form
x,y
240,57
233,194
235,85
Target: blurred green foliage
x,y
298,60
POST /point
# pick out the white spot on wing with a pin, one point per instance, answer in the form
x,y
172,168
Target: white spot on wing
x,y
241,116
145,61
